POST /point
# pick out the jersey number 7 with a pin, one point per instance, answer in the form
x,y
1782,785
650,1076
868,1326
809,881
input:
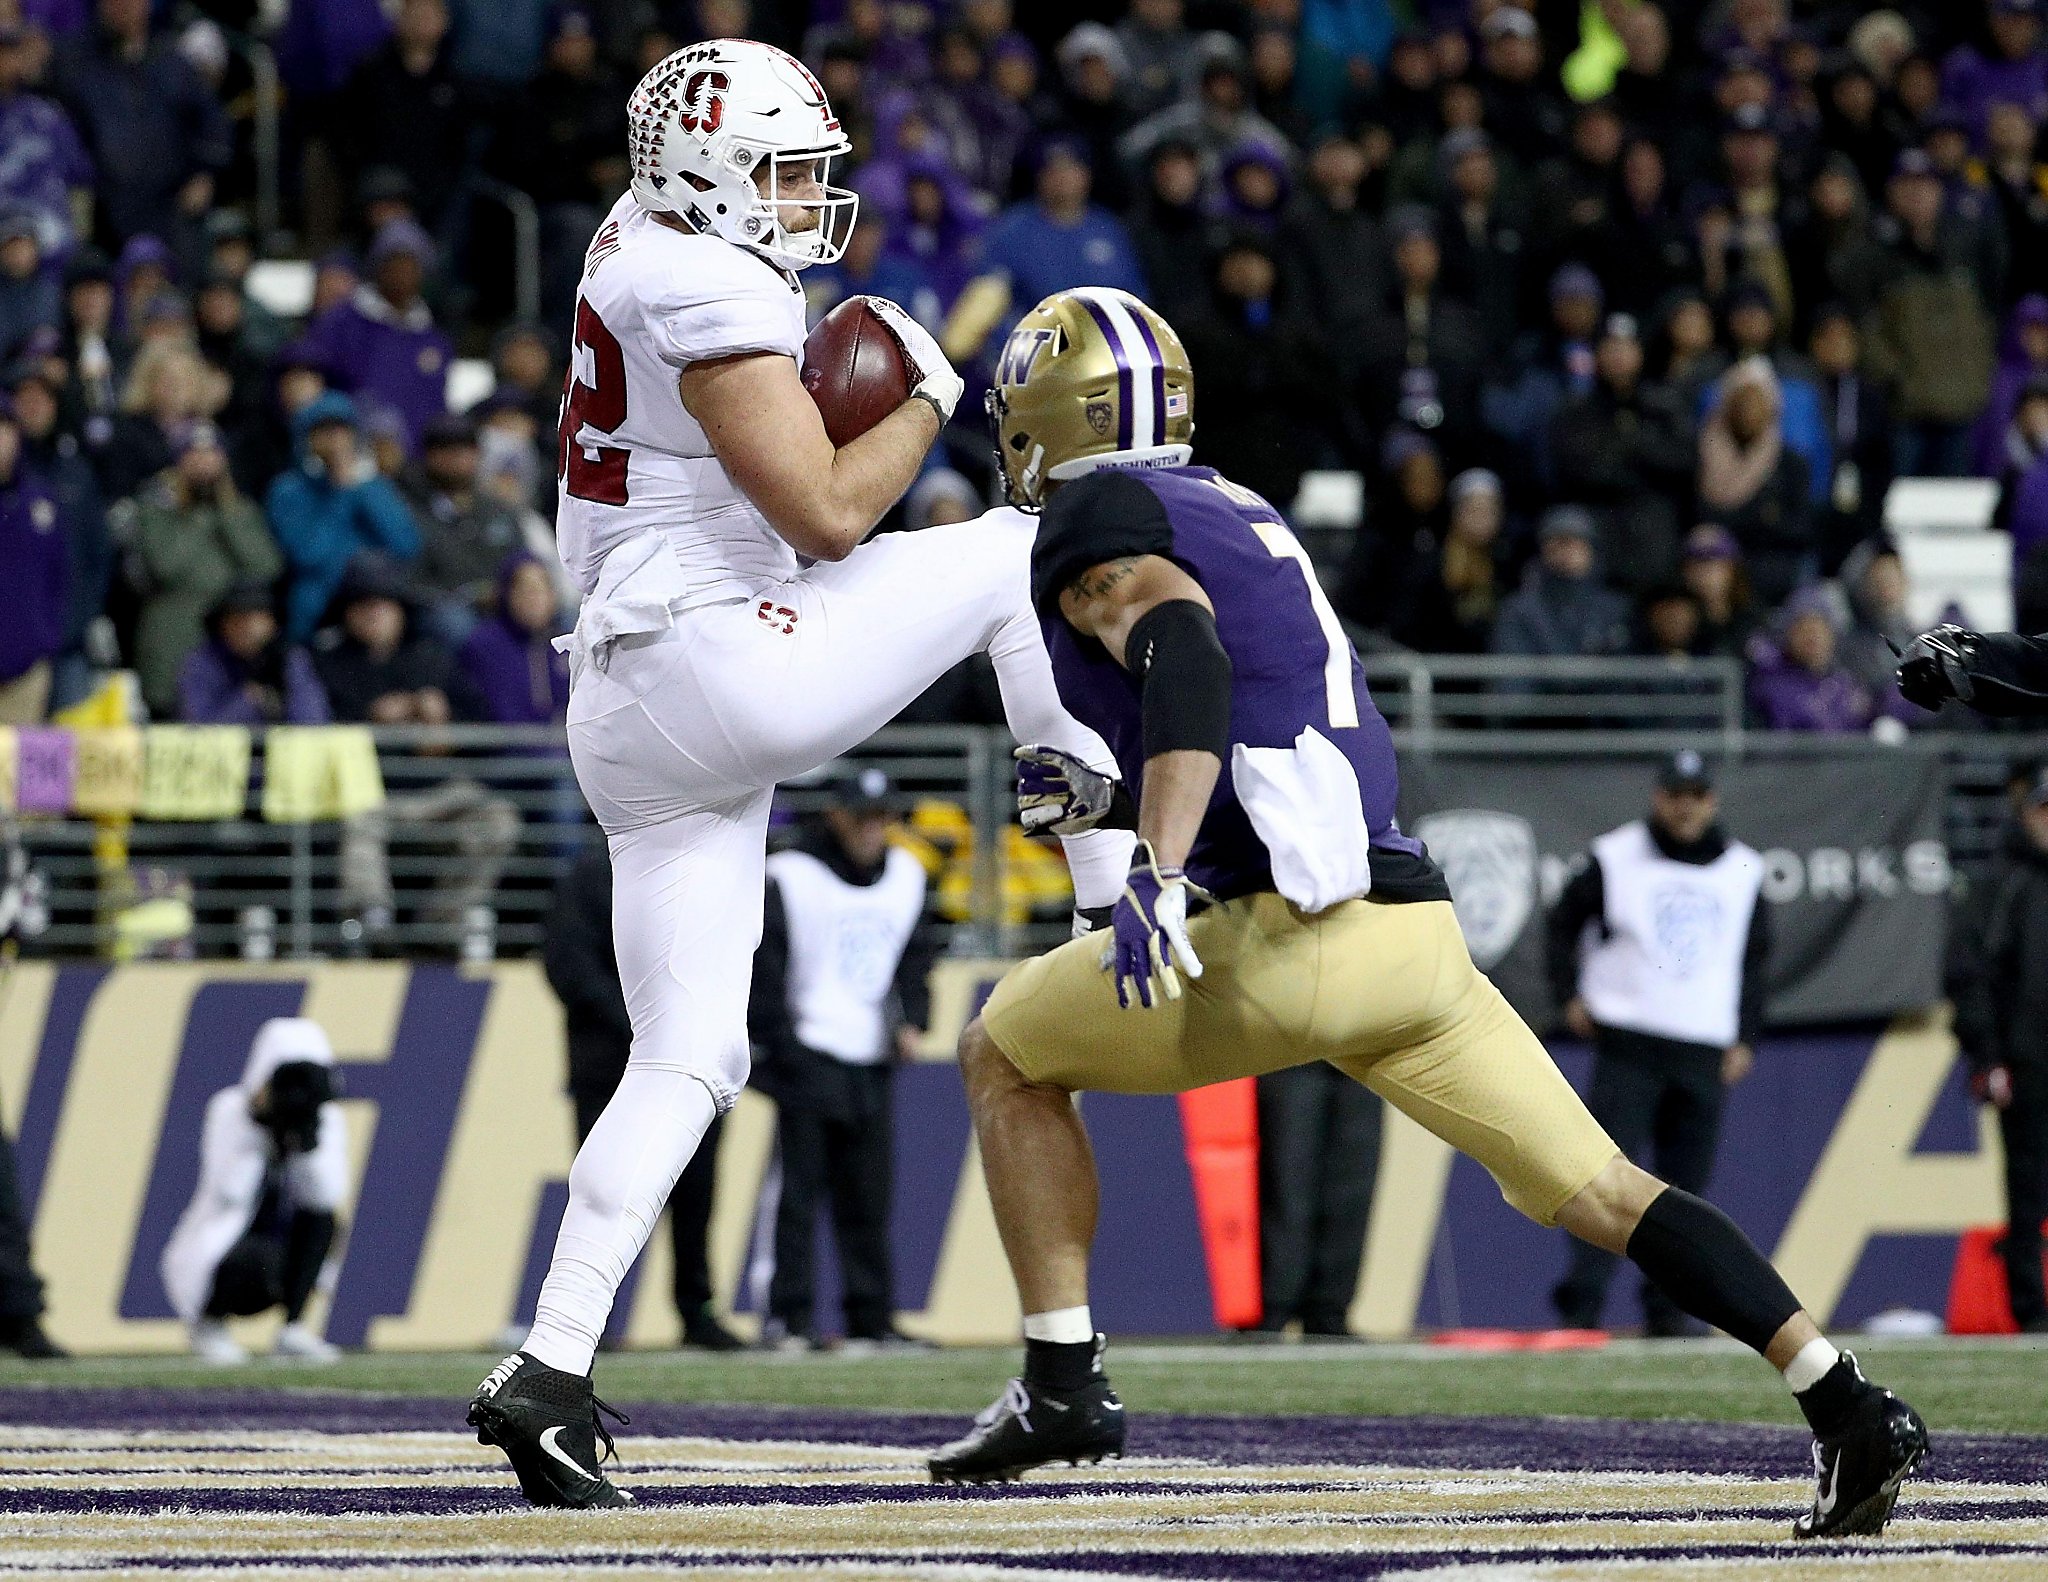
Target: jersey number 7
x,y
595,473
1342,701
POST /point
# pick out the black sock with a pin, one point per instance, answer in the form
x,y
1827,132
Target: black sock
x,y
1701,1260
1831,1400
1063,1365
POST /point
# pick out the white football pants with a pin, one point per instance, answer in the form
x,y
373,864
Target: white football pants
x,y
678,741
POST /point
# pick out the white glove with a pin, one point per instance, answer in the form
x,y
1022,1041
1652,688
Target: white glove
x,y
931,376
1058,794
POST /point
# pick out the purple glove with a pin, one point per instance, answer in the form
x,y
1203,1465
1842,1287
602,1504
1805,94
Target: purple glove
x,y
1150,932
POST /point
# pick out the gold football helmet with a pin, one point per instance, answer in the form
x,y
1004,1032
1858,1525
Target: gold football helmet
x,y
1089,378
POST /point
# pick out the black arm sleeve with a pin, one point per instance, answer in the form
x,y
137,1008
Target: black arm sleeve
x,y
1175,653
1103,516
768,1020
1756,985
1584,901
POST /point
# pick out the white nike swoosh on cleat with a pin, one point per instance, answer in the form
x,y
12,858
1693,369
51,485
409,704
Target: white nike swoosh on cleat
x,y
1112,1406
547,1443
1825,1504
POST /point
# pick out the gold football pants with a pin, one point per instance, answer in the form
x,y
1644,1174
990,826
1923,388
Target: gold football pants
x,y
1383,991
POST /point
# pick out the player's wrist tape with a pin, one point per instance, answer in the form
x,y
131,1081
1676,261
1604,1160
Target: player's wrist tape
x,y
932,401
1175,653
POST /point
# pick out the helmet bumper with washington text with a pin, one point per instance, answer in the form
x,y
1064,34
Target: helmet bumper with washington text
x,y
1089,378
704,124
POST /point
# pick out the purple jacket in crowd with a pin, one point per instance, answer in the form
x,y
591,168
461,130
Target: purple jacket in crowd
x,y
1789,697
213,690
41,161
518,674
37,555
1972,82
384,357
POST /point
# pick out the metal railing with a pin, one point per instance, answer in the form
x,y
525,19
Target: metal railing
x,y
279,888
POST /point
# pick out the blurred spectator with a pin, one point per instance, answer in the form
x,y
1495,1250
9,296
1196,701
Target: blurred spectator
x,y
1755,329
1485,237
245,673
1524,108
1406,526
336,275
1253,185
2017,181
1331,254
1159,54
465,534
220,318
381,343
523,359
1218,119
1049,244
582,967
294,379
1266,382
1549,366
1742,233
2022,358
231,254
1669,623
1563,609
1797,681
563,141
1755,485
2023,502
1279,95
1642,247
378,665
1453,586
195,538
145,269
1319,1156
330,508
2012,71
37,555
1421,354
169,389
405,109
91,345
1931,330
46,170
1691,358
156,135
1625,449
1873,580
1712,572
1859,434
510,658
1581,196
29,296
52,451
1096,106
1833,253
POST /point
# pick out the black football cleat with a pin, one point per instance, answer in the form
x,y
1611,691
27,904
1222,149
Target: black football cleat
x,y
1030,1426
547,1423
1861,1468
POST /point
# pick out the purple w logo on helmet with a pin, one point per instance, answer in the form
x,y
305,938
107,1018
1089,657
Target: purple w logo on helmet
x,y
1020,351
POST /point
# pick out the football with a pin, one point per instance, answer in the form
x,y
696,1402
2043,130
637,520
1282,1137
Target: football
x,y
854,370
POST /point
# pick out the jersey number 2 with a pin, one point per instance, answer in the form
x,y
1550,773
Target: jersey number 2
x,y
595,473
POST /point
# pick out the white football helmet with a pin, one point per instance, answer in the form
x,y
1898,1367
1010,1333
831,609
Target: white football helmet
x,y
703,124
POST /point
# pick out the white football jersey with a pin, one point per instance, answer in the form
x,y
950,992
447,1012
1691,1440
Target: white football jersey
x,y
653,300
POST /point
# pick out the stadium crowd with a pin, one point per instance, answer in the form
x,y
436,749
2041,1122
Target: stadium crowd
x,y
1627,313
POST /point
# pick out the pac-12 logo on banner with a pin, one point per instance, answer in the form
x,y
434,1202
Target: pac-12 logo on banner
x,y
1490,860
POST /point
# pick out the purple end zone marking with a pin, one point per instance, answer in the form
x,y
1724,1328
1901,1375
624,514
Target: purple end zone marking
x,y
1548,1444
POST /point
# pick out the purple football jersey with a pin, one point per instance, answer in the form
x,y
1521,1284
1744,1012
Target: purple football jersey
x,y
1291,665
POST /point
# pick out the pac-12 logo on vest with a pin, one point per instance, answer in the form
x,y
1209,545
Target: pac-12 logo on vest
x,y
1490,860
1688,920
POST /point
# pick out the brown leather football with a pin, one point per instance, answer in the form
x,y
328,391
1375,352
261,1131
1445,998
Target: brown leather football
x,y
854,370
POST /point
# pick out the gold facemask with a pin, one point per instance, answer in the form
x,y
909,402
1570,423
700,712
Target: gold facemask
x,y
1088,378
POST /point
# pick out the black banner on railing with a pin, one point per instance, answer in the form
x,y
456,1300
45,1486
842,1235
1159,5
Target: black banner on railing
x,y
1856,870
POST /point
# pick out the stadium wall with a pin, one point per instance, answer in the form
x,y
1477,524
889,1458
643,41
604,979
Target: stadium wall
x,y
1856,1156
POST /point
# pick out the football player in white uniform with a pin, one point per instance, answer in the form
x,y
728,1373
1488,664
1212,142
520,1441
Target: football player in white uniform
x,y
735,632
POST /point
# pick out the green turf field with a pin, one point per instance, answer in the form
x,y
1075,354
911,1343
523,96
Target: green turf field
x,y
1957,1384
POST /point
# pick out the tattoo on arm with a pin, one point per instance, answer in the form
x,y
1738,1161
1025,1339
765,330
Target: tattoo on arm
x,y
1097,581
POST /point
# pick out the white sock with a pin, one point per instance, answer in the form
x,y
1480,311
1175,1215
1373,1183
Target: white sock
x,y
1810,1366
1063,1326
618,1186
